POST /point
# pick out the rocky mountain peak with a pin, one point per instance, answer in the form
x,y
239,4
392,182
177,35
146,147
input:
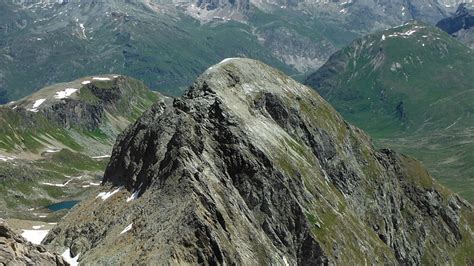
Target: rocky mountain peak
x,y
246,77
251,167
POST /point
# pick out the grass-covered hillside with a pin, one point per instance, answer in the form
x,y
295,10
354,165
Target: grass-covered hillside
x,y
412,88
55,143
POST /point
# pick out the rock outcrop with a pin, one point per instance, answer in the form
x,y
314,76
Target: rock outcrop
x,y
250,167
460,25
15,250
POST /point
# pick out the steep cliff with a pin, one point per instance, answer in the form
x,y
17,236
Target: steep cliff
x,y
249,167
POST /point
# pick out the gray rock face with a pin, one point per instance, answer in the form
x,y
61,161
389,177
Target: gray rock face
x,y
250,167
15,250
460,25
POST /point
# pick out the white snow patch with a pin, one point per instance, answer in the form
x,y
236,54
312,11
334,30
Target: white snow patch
x,y
101,157
83,30
6,158
133,196
409,32
65,93
128,228
106,195
53,150
37,226
34,236
228,59
57,185
406,33
383,37
37,104
94,184
67,257
85,82
101,78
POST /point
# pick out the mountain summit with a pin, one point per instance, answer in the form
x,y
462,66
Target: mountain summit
x,y
250,166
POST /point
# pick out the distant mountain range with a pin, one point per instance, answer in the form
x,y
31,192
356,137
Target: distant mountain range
x,y
168,43
411,87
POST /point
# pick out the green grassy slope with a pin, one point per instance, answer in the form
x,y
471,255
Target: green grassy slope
x,y
60,150
410,87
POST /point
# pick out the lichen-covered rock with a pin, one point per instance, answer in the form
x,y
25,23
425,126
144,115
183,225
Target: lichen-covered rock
x,y
250,167
15,250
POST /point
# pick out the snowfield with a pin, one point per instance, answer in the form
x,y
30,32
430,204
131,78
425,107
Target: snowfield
x,y
101,78
65,93
6,158
37,104
128,228
67,257
106,195
34,236
133,196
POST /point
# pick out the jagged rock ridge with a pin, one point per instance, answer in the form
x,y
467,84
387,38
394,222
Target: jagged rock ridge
x,y
249,167
15,250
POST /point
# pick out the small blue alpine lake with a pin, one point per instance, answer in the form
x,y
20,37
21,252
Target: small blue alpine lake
x,y
63,205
